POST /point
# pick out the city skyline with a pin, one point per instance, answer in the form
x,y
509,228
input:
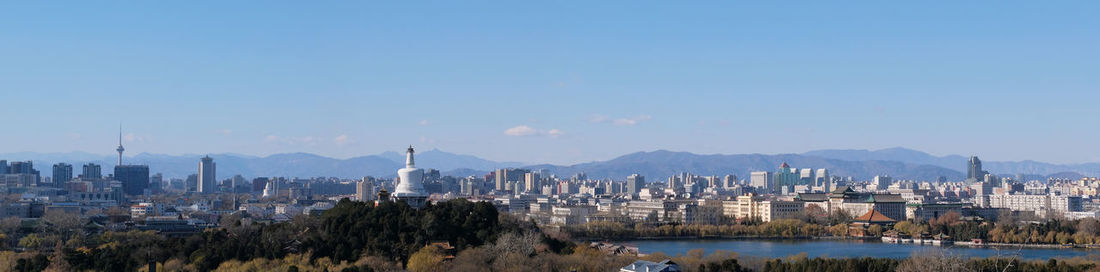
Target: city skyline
x,y
568,135
551,83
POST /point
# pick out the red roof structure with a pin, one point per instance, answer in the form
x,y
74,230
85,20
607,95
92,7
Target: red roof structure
x,y
874,216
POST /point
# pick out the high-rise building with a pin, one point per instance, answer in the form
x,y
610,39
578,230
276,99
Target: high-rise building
x,y
62,173
92,172
411,187
134,178
729,181
258,184
786,178
506,176
634,184
531,182
25,168
192,183
882,182
822,178
364,189
807,175
761,179
208,182
974,172
675,182
4,167
156,183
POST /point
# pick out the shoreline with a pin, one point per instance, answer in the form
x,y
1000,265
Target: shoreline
x,y
835,238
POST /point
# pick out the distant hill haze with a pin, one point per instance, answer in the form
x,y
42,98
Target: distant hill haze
x,y
899,163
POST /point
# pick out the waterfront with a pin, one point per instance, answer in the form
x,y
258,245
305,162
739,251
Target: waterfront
x,y
844,248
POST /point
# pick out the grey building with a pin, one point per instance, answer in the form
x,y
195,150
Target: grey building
x,y
634,184
62,172
207,177
974,170
92,171
134,178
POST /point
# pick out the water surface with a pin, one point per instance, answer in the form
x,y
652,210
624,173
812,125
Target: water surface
x,y
844,248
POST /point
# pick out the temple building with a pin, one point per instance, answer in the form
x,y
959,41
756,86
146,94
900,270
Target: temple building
x,y
857,203
410,188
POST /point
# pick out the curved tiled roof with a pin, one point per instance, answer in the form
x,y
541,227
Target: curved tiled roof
x,y
874,216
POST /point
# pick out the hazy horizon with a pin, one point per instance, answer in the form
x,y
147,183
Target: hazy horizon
x,y
128,154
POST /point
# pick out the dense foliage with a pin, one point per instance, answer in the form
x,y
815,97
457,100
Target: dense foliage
x,y
349,231
826,264
356,236
395,230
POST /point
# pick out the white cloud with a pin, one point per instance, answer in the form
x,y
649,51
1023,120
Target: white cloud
x,y
424,122
341,140
521,131
226,131
625,121
525,131
554,132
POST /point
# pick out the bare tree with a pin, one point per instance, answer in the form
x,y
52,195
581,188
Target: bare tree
x,y
932,261
62,223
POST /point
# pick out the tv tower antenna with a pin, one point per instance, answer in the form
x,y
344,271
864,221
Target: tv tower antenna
x,y
120,149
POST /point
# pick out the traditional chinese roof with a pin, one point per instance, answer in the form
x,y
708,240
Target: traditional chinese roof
x,y
813,197
874,216
842,190
872,198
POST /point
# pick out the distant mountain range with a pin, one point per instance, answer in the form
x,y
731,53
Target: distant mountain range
x,y
900,163
288,164
959,163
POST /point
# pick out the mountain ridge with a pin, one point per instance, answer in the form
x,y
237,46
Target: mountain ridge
x,y
898,162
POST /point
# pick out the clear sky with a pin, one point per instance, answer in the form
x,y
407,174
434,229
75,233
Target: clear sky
x,y
552,81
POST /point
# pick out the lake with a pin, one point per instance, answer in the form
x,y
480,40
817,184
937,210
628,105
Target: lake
x,y
842,248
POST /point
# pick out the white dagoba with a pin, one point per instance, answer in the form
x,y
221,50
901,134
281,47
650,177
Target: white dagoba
x,y
410,189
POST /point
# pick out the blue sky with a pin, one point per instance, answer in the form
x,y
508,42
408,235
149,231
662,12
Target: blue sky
x,y
552,81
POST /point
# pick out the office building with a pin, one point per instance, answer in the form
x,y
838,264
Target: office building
x,y
882,182
634,184
25,168
1042,205
156,183
258,184
729,182
504,177
62,173
192,183
974,172
207,183
92,172
762,180
531,182
364,189
785,179
134,178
